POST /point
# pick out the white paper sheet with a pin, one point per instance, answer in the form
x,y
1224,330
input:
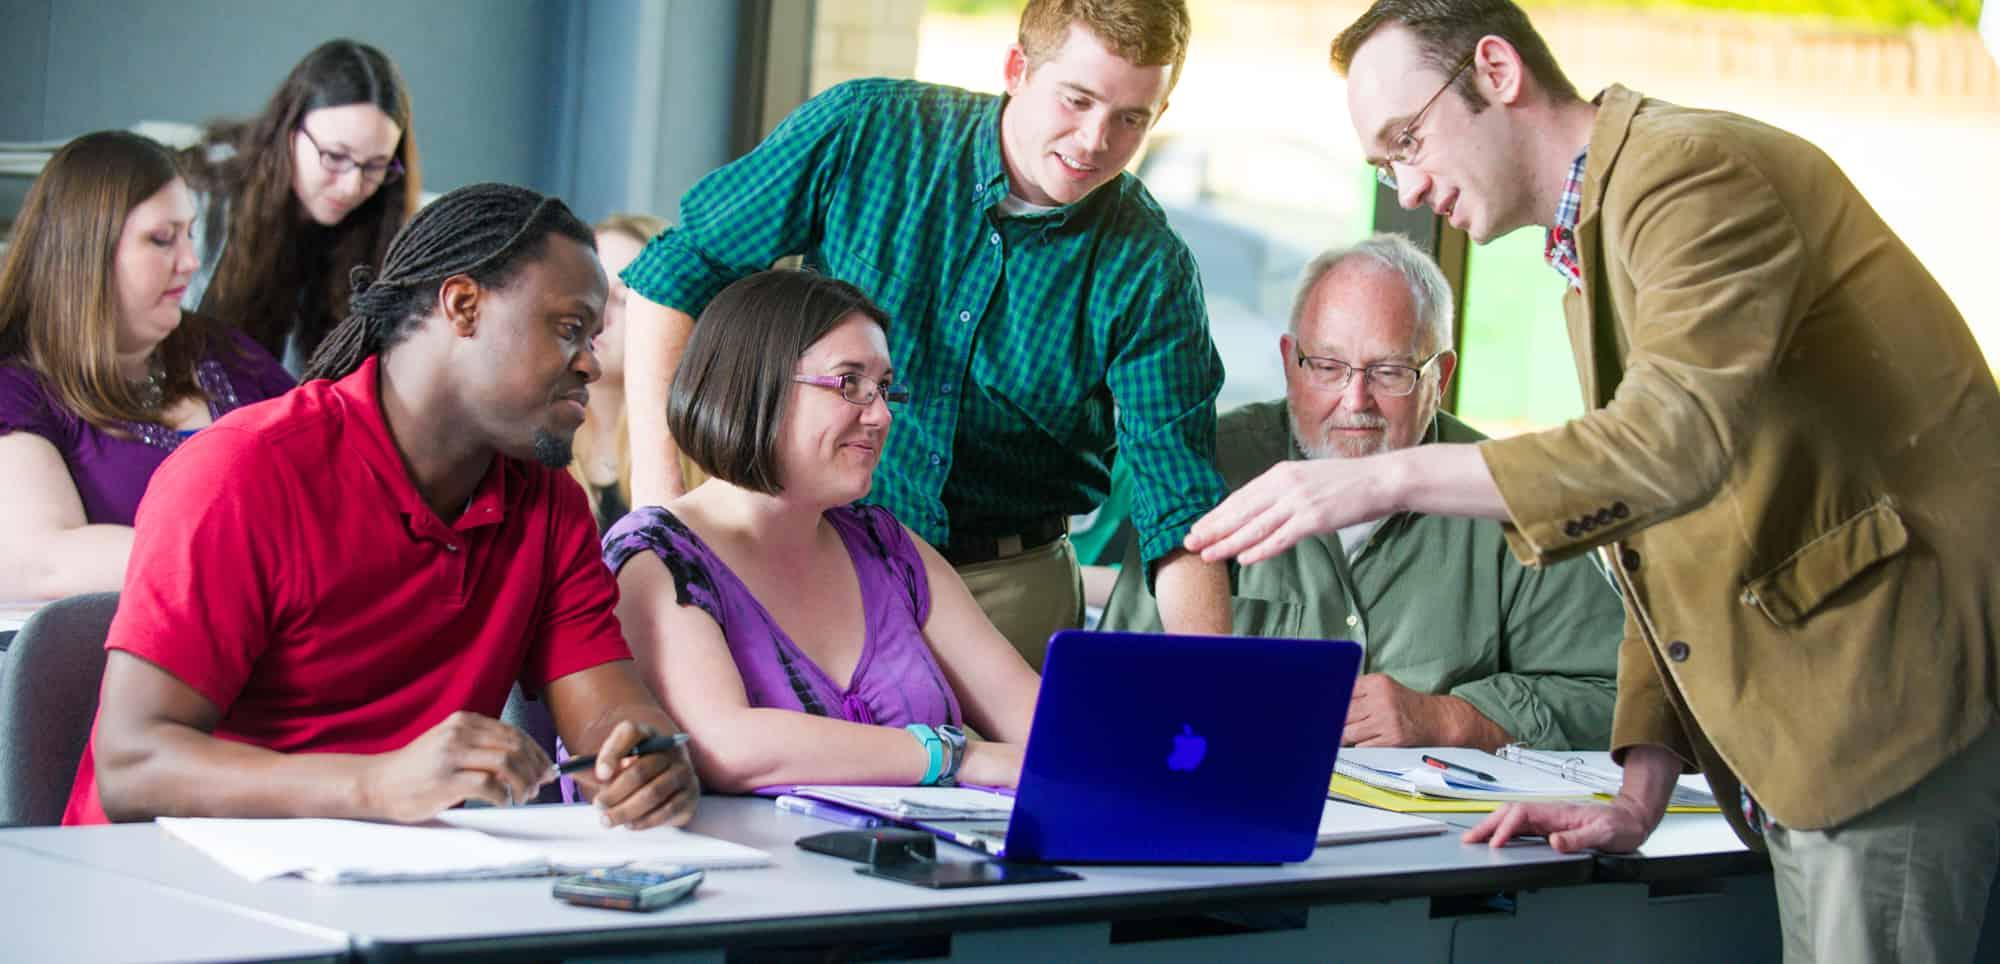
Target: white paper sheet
x,y
496,842
572,838
342,851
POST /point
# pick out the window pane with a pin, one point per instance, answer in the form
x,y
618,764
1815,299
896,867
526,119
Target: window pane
x,y
1515,373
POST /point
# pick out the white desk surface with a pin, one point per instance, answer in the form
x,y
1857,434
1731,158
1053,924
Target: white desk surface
x,y
1685,845
802,894
57,910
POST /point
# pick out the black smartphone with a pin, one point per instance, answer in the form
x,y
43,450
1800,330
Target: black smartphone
x,y
628,889
971,873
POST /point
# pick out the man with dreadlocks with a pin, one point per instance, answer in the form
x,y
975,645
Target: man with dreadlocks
x,y
331,593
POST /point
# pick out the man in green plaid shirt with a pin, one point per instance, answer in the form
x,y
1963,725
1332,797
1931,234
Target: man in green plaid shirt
x,y
1044,316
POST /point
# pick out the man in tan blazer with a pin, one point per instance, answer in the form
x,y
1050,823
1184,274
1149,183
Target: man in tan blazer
x,y
1792,463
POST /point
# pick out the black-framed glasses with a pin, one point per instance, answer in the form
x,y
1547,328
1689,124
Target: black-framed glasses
x,y
338,164
859,389
1403,147
1332,374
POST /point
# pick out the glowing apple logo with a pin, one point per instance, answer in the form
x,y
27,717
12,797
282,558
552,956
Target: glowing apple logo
x,y
1188,750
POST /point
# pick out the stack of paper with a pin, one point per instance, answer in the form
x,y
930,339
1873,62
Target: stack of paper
x,y
460,844
916,803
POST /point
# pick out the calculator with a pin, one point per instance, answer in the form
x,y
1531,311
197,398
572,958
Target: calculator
x,y
628,888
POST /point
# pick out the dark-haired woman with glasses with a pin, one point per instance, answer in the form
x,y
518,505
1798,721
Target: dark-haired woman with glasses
x,y
292,200
797,637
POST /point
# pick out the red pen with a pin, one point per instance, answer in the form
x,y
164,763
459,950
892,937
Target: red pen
x,y
1448,766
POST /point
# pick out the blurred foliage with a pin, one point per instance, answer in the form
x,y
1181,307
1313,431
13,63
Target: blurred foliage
x,y
1876,14
1879,14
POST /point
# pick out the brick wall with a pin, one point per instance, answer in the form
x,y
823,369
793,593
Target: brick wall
x,y
864,38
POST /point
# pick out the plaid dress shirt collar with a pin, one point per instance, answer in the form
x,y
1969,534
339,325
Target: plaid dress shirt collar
x,y
1560,248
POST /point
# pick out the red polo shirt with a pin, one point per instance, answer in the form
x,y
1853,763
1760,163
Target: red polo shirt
x,y
285,566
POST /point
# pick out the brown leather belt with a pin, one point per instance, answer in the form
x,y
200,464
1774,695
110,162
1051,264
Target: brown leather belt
x,y
970,548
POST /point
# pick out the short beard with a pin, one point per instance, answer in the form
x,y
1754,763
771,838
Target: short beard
x,y
1318,446
552,450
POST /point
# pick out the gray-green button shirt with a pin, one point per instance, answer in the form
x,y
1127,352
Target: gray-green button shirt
x,y
1440,603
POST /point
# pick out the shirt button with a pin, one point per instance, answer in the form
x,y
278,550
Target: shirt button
x,y
1603,517
937,459
949,387
1353,620
1571,529
965,316
1629,558
1620,510
448,547
993,238
1677,651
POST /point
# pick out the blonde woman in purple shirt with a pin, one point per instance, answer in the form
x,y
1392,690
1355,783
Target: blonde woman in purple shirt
x,y
796,637
101,372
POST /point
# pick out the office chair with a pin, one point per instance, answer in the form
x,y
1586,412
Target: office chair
x,y
532,716
48,698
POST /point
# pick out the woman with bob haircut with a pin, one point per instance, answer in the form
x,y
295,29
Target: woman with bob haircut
x,y
292,200
102,374
799,638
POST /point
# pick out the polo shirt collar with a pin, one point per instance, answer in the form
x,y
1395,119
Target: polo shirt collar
x,y
368,433
991,173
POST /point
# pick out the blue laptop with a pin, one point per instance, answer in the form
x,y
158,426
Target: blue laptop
x,y
1172,749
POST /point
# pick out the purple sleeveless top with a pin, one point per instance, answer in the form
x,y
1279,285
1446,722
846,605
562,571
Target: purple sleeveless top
x,y
896,682
111,472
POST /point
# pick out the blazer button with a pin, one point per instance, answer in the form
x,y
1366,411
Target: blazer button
x,y
1604,517
1619,510
1677,651
1586,523
1629,558
1571,529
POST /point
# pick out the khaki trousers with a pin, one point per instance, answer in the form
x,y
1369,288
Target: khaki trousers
x,y
1906,881
1030,595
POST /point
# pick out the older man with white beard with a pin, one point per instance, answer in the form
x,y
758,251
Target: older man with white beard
x,y
1466,647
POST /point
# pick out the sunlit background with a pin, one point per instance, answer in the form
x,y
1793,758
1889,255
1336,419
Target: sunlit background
x,y
1257,165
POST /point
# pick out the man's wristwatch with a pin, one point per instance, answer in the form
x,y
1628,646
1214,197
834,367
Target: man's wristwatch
x,y
954,744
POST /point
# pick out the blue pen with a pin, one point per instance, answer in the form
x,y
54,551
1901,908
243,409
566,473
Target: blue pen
x,y
828,812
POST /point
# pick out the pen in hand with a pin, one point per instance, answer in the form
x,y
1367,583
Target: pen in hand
x,y
1448,766
651,744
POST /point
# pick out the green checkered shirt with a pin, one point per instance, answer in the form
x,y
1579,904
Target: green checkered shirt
x,y
1034,346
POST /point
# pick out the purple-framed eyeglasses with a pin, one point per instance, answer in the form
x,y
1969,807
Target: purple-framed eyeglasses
x,y
859,389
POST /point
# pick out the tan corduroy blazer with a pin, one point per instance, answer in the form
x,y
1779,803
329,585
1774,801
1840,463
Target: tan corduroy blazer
x,y
1792,459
